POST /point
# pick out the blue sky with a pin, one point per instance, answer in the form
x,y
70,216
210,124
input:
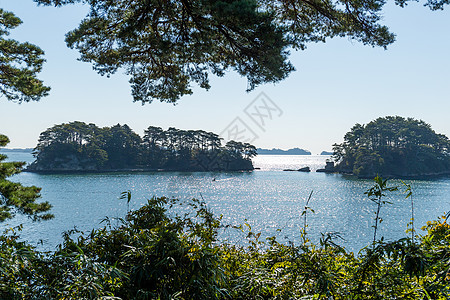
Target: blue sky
x,y
337,84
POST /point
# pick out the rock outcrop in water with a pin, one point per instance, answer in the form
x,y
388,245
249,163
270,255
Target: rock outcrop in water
x,y
329,168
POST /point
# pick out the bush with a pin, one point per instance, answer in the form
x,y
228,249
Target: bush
x,y
169,250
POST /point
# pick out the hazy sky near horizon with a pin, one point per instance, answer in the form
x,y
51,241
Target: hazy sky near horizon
x,y
336,84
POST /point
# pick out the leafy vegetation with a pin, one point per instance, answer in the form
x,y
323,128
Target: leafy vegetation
x,y
166,46
376,195
393,146
192,39
169,249
78,146
16,198
19,64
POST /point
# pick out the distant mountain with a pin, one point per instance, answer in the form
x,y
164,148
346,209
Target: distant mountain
x,y
294,151
326,153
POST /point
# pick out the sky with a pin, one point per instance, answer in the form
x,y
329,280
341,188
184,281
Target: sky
x,y
336,85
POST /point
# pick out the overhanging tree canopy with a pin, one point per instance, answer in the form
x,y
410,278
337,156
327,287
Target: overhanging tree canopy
x,y
165,46
19,64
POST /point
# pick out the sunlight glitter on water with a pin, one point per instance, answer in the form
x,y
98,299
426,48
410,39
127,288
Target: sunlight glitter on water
x,y
267,199
281,162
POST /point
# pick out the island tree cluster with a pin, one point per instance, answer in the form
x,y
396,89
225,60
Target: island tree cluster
x,y
78,146
393,146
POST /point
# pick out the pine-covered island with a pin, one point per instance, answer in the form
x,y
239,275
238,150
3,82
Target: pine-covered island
x,y
81,147
395,147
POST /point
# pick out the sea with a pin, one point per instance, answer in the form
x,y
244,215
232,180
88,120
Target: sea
x,y
268,200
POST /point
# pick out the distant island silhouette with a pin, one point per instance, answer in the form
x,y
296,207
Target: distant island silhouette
x,y
274,151
21,150
326,153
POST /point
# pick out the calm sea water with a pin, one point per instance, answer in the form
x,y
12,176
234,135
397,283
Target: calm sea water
x,y
267,199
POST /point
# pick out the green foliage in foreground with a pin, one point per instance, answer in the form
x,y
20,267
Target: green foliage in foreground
x,y
155,253
15,197
393,146
78,146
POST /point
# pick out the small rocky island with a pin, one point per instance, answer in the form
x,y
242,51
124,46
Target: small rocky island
x,y
394,147
81,147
